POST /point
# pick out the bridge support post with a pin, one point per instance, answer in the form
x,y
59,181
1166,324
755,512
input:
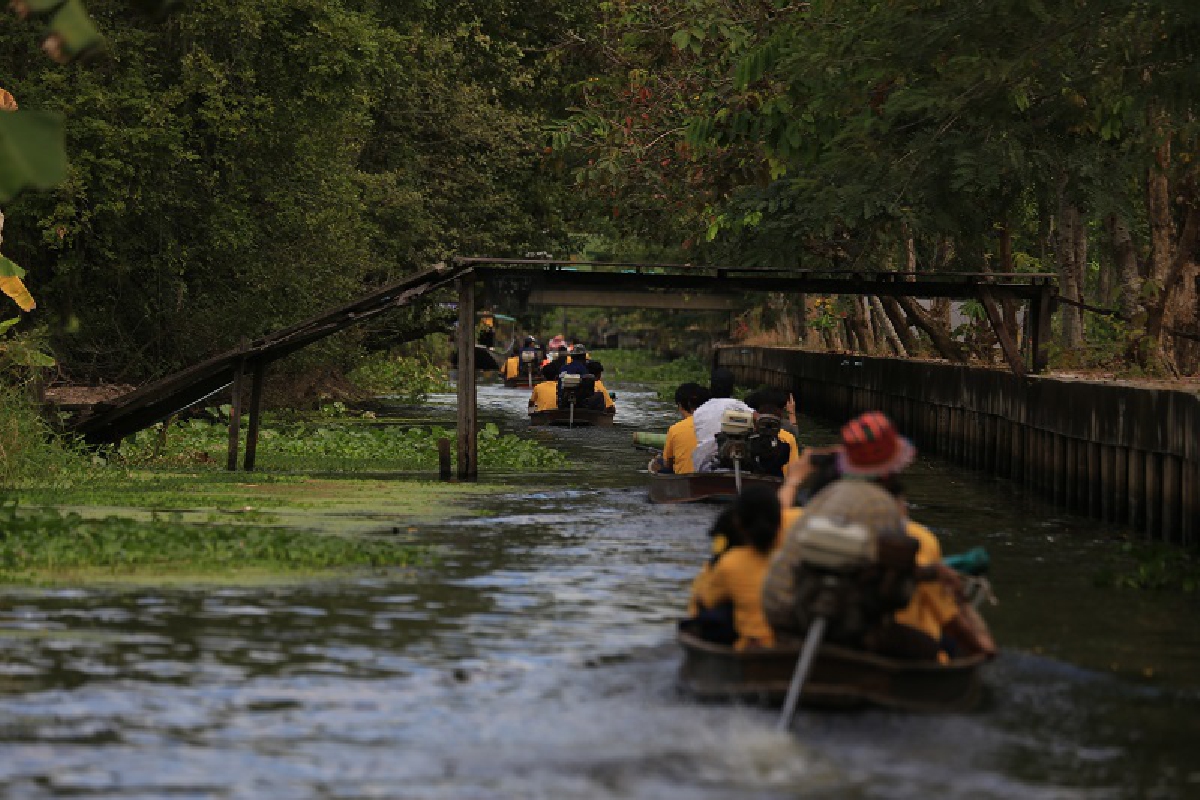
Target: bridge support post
x,y
1040,308
468,465
256,389
235,411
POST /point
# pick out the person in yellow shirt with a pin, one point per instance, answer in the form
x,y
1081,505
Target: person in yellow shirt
x,y
545,394
676,457
714,624
738,575
872,450
597,370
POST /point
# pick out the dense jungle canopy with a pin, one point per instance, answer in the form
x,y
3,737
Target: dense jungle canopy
x,y
235,167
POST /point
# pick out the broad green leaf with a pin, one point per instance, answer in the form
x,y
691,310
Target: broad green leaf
x,y
681,38
8,323
72,33
32,151
9,268
37,7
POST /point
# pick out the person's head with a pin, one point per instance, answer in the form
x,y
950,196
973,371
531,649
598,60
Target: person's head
x,y
529,342
756,514
579,352
871,447
550,370
724,532
854,502
720,383
596,368
690,396
767,401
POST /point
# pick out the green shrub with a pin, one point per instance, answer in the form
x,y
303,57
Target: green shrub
x,y
29,449
411,379
41,544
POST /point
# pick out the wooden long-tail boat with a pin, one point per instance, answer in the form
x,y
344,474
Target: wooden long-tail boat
x,y
693,486
580,417
840,678
523,382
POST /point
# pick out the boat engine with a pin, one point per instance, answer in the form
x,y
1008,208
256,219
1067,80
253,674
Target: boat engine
x,y
853,577
733,438
529,362
574,389
751,444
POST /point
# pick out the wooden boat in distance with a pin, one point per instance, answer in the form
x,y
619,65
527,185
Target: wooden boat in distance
x,y
523,382
692,486
840,678
580,418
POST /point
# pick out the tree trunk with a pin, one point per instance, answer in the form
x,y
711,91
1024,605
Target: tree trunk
x,y
937,330
1129,282
885,326
900,325
1071,249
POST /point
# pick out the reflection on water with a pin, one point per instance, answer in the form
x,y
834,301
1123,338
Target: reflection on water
x,y
535,661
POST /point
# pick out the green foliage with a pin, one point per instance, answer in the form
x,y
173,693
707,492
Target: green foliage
x,y
313,150
646,368
334,444
46,544
1153,567
409,379
29,450
32,151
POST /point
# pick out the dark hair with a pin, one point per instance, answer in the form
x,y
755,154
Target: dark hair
x,y
690,396
726,525
550,370
596,368
721,382
756,511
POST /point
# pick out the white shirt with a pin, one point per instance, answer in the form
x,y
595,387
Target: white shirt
x,y
707,419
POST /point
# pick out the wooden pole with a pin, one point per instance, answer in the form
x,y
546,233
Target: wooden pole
x,y
235,412
256,390
1012,353
467,434
1040,308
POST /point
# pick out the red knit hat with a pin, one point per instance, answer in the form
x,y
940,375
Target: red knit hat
x,y
871,447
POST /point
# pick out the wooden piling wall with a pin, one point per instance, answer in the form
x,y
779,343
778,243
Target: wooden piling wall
x,y
1122,454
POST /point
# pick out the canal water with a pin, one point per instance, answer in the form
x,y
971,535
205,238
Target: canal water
x,y
535,659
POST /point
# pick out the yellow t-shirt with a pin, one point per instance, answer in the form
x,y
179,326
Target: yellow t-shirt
x,y
784,436
681,441
511,368
608,401
544,397
932,604
738,577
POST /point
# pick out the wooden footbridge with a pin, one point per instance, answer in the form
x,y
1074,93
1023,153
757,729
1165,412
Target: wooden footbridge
x,y
521,282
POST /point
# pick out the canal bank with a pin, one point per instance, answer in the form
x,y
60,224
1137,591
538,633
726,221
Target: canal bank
x,y
1123,454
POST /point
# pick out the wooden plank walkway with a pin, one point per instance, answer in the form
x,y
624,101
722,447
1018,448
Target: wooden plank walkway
x,y
154,402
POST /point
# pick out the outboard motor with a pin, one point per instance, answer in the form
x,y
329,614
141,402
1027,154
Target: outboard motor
x,y
530,358
733,446
853,578
573,389
767,452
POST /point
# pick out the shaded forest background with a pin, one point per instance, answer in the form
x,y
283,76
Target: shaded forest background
x,y
236,167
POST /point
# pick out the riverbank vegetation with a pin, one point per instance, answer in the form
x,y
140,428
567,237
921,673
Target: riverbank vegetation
x,y
45,545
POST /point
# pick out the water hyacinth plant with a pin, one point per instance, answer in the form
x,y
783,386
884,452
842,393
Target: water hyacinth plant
x,y
335,444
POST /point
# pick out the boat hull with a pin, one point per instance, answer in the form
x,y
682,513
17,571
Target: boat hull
x,y
522,382
694,486
840,678
582,417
